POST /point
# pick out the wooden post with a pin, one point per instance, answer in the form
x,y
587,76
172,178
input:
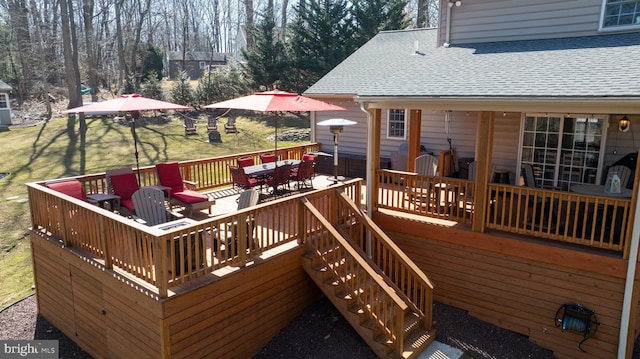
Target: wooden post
x,y
415,118
484,151
375,122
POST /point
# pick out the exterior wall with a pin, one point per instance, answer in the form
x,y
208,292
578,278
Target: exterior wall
x,y
462,131
232,316
192,67
499,20
516,284
5,112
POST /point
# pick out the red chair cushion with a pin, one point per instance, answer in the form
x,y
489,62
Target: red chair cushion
x,y
124,185
128,204
188,196
169,175
71,188
308,157
245,161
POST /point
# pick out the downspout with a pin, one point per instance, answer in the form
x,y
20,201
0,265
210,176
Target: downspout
x,y
451,4
627,301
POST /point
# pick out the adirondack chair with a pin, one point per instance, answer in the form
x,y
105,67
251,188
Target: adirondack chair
x,y
427,165
189,126
247,199
150,207
230,126
180,195
212,124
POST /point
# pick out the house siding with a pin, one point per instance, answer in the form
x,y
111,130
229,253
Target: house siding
x,y
462,132
498,20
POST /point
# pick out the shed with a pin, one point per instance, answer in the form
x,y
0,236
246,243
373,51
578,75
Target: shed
x,y
194,62
5,105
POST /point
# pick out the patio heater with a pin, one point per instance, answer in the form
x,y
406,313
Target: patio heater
x,y
336,126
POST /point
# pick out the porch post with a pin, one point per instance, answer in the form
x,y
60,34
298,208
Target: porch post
x,y
373,156
484,151
415,117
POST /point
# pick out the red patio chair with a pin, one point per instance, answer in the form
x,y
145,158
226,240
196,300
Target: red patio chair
x,y
125,185
312,158
169,176
302,174
242,180
245,161
71,187
268,157
280,178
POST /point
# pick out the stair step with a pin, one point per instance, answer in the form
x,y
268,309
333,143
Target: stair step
x,y
417,341
411,322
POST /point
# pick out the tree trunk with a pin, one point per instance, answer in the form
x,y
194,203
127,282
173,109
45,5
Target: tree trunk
x,y
248,8
87,12
122,70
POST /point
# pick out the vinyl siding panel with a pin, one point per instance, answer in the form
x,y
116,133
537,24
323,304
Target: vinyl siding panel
x,y
495,20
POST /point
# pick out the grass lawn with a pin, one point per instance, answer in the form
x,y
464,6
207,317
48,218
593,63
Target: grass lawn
x,y
58,149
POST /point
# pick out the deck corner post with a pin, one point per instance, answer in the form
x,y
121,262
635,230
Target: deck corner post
x,y
484,144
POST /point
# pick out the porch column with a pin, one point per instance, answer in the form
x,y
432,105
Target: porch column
x,y
484,151
415,117
374,121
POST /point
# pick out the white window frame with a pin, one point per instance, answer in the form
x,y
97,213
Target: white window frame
x,y
558,164
603,12
4,101
203,65
404,124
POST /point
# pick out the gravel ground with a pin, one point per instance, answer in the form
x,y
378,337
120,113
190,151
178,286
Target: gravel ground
x,y
319,332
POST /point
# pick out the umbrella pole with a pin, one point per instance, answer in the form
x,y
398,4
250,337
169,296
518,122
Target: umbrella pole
x,y
275,137
135,146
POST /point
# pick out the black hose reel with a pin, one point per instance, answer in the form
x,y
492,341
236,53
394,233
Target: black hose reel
x,y
578,319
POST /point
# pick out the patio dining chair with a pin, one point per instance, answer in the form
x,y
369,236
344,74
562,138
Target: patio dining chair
x,y
267,158
181,195
312,158
279,178
245,161
303,174
243,181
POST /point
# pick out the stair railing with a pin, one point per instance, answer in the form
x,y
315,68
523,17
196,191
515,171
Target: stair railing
x,y
365,286
400,269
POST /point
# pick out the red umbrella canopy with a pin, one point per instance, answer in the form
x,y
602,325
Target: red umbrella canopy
x,y
127,103
276,101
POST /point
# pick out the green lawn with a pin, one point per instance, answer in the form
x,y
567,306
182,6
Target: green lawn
x,y
58,149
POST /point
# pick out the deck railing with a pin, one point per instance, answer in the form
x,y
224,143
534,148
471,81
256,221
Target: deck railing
x,y
593,221
437,197
165,258
207,173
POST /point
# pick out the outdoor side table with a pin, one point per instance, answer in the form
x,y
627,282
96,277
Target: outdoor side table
x,y
100,199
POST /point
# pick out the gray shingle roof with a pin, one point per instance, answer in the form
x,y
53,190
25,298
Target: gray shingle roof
x,y
4,87
604,65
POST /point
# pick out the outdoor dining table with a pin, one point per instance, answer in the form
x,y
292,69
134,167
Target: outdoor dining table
x,y
267,168
598,190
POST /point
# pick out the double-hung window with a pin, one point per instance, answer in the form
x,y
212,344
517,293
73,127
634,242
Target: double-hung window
x,y
563,150
396,124
203,65
617,13
4,100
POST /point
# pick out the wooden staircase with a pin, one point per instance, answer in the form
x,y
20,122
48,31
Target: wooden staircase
x,y
366,289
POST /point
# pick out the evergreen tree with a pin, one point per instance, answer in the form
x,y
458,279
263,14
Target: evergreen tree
x,y
373,16
181,92
149,60
130,85
321,37
220,84
151,87
265,62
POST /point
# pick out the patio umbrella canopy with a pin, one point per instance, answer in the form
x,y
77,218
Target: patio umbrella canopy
x,y
276,101
132,104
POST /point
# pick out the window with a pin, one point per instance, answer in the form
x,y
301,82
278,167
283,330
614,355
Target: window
x,y
203,65
396,123
4,100
621,13
563,150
